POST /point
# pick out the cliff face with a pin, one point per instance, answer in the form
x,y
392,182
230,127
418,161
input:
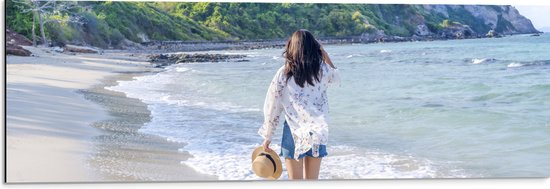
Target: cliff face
x,y
520,23
443,22
483,18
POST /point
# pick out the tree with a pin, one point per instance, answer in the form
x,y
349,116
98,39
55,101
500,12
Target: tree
x,y
33,26
43,9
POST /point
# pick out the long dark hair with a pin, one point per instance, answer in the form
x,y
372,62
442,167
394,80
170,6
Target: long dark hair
x,y
303,58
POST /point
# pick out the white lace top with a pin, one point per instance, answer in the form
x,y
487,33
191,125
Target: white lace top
x,y
306,109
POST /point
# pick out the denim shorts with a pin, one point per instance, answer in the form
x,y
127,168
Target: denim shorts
x,y
287,146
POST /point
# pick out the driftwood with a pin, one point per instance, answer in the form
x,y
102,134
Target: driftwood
x,y
17,50
79,49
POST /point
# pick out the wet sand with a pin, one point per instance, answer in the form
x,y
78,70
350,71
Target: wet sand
x,y
124,154
63,126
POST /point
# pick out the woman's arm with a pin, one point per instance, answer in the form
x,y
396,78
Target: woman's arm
x,y
273,108
334,76
326,58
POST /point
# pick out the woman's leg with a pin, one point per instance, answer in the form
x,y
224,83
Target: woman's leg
x,y
294,168
312,166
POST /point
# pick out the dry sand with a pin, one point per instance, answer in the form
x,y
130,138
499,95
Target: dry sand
x,y
56,133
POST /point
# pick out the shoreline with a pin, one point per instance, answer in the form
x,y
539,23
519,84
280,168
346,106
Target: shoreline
x,y
54,131
194,46
122,147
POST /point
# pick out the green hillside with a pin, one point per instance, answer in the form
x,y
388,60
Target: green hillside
x,y
113,24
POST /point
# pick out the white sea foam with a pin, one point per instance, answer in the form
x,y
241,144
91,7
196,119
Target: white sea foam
x,y
225,152
182,69
230,162
354,55
385,51
477,61
146,88
481,60
152,89
238,53
346,162
218,143
515,65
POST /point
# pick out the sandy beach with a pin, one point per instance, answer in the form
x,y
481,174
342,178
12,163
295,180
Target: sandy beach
x,y
63,126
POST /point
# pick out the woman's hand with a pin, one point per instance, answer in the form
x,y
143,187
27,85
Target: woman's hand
x,y
265,144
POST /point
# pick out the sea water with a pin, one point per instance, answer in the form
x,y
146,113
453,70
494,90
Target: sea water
x,y
442,109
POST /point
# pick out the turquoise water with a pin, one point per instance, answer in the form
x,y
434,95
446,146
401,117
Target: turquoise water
x,y
441,109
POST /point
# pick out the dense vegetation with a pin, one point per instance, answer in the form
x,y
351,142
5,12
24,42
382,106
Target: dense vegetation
x,y
17,20
111,24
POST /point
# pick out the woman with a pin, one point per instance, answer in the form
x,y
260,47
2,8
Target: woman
x,y
299,88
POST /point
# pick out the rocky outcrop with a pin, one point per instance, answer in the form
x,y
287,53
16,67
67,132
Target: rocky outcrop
x,y
179,46
376,36
506,18
457,31
520,23
161,60
437,9
422,30
492,33
431,22
503,19
485,13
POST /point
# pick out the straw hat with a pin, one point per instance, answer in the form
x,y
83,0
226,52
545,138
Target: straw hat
x,y
266,164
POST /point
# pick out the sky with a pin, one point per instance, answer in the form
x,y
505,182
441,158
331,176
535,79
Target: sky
x,y
539,15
